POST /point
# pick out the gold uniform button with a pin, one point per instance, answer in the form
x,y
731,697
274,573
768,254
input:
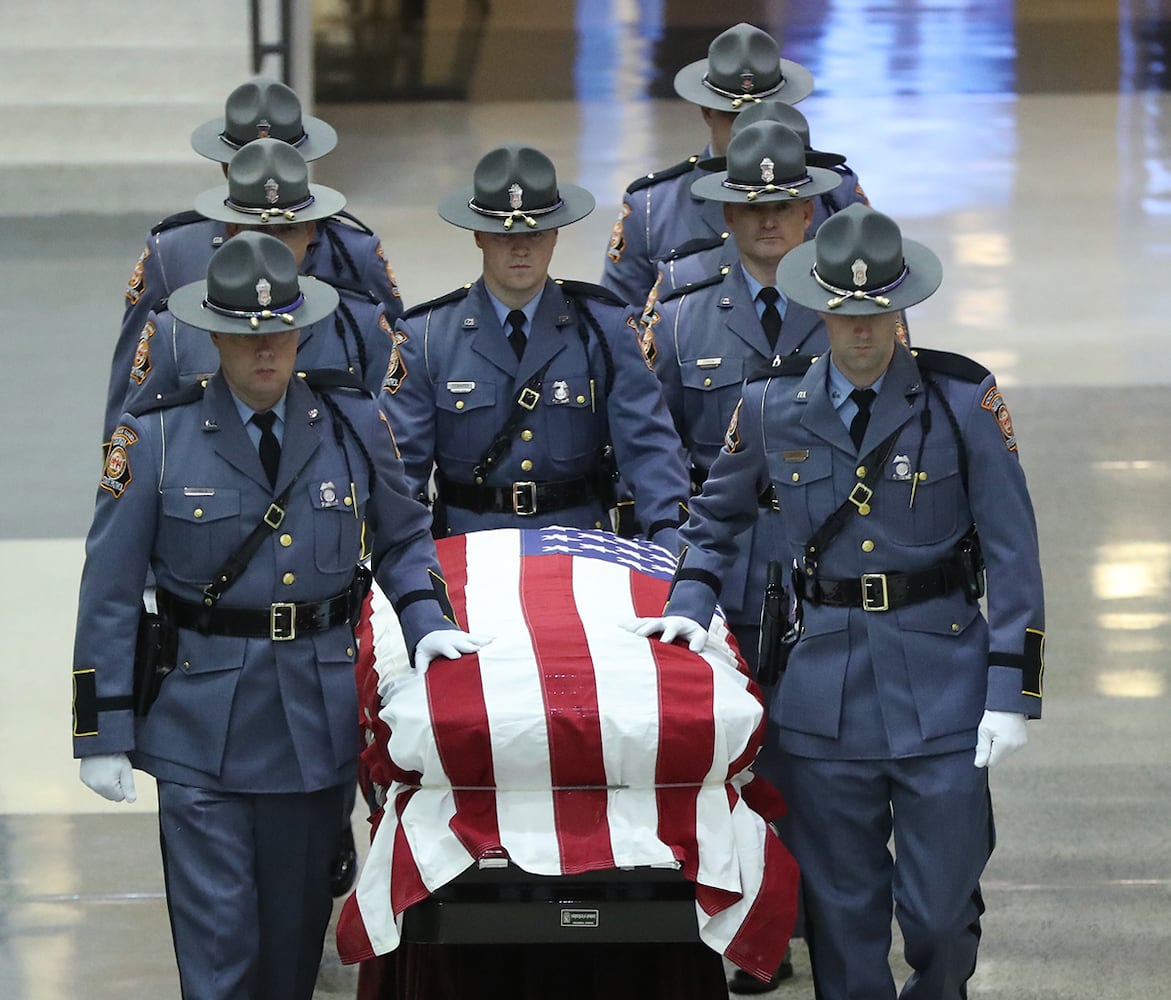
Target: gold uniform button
x,y
868,546
922,476
289,579
186,664
526,435
348,501
580,399
198,512
707,382
286,540
597,524
860,472
459,404
864,509
526,465
796,477
955,626
349,651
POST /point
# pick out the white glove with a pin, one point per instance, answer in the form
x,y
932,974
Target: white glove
x,y
672,627
110,775
999,734
450,643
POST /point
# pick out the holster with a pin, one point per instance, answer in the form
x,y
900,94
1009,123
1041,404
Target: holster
x,y
971,555
155,651
780,625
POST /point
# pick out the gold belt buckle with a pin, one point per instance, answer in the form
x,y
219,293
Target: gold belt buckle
x,y
872,601
522,506
282,622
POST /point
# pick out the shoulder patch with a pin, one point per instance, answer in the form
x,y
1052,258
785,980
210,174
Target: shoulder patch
x,y
188,393
116,475
140,366
698,245
352,291
790,366
453,296
324,379
175,221
994,403
586,289
947,363
350,221
136,283
649,180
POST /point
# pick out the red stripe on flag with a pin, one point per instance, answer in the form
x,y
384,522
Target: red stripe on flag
x,y
572,716
452,552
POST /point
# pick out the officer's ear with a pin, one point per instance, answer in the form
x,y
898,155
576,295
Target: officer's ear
x,y
476,237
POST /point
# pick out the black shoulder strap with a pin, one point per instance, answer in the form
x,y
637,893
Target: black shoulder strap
x,y
175,221
859,497
784,365
324,379
351,221
453,296
691,247
586,289
694,286
947,363
527,398
662,175
180,397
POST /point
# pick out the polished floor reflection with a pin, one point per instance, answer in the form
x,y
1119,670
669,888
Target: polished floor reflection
x,y
1047,197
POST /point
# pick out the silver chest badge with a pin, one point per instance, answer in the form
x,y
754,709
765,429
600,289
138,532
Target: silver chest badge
x,y
901,468
560,392
328,495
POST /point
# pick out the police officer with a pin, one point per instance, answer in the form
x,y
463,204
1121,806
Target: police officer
x,y
268,189
705,338
658,213
703,256
514,390
893,473
343,250
250,500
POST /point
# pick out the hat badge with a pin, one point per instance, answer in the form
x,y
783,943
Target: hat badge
x,y
748,82
263,128
272,191
858,270
766,170
515,196
264,292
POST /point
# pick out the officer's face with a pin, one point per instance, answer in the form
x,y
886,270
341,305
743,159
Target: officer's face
x,y
766,232
861,346
516,264
257,366
719,124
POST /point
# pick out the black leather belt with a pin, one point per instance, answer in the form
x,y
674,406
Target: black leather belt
x,y
523,499
278,622
885,591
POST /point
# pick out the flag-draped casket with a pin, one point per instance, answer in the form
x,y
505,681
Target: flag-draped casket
x,y
568,742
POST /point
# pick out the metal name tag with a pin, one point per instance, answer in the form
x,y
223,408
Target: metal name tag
x,y
580,918
460,387
709,362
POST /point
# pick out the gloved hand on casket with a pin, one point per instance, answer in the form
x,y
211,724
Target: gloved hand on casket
x,y
450,643
671,627
999,734
110,775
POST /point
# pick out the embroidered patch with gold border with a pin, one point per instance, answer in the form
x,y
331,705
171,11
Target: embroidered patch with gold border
x,y
116,474
618,236
136,283
140,366
994,403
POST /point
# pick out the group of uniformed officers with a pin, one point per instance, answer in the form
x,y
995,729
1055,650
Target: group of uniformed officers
x,y
739,389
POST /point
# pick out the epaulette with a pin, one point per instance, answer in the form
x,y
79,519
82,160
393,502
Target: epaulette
x,y
820,158
189,393
790,365
349,288
587,289
422,307
694,286
351,221
947,363
324,379
663,175
177,220
697,245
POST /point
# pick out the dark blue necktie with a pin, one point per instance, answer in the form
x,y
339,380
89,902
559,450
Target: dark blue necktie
x,y
270,447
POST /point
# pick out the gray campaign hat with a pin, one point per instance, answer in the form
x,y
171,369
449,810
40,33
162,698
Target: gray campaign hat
x,y
743,66
858,264
268,184
252,286
783,114
262,108
766,162
514,190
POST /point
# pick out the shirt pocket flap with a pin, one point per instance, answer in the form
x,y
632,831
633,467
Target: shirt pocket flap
x,y
201,507
466,396
730,371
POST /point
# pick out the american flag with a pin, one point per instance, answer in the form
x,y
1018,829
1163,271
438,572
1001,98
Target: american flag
x,y
565,718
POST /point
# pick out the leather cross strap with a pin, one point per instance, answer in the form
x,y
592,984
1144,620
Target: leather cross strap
x,y
527,398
